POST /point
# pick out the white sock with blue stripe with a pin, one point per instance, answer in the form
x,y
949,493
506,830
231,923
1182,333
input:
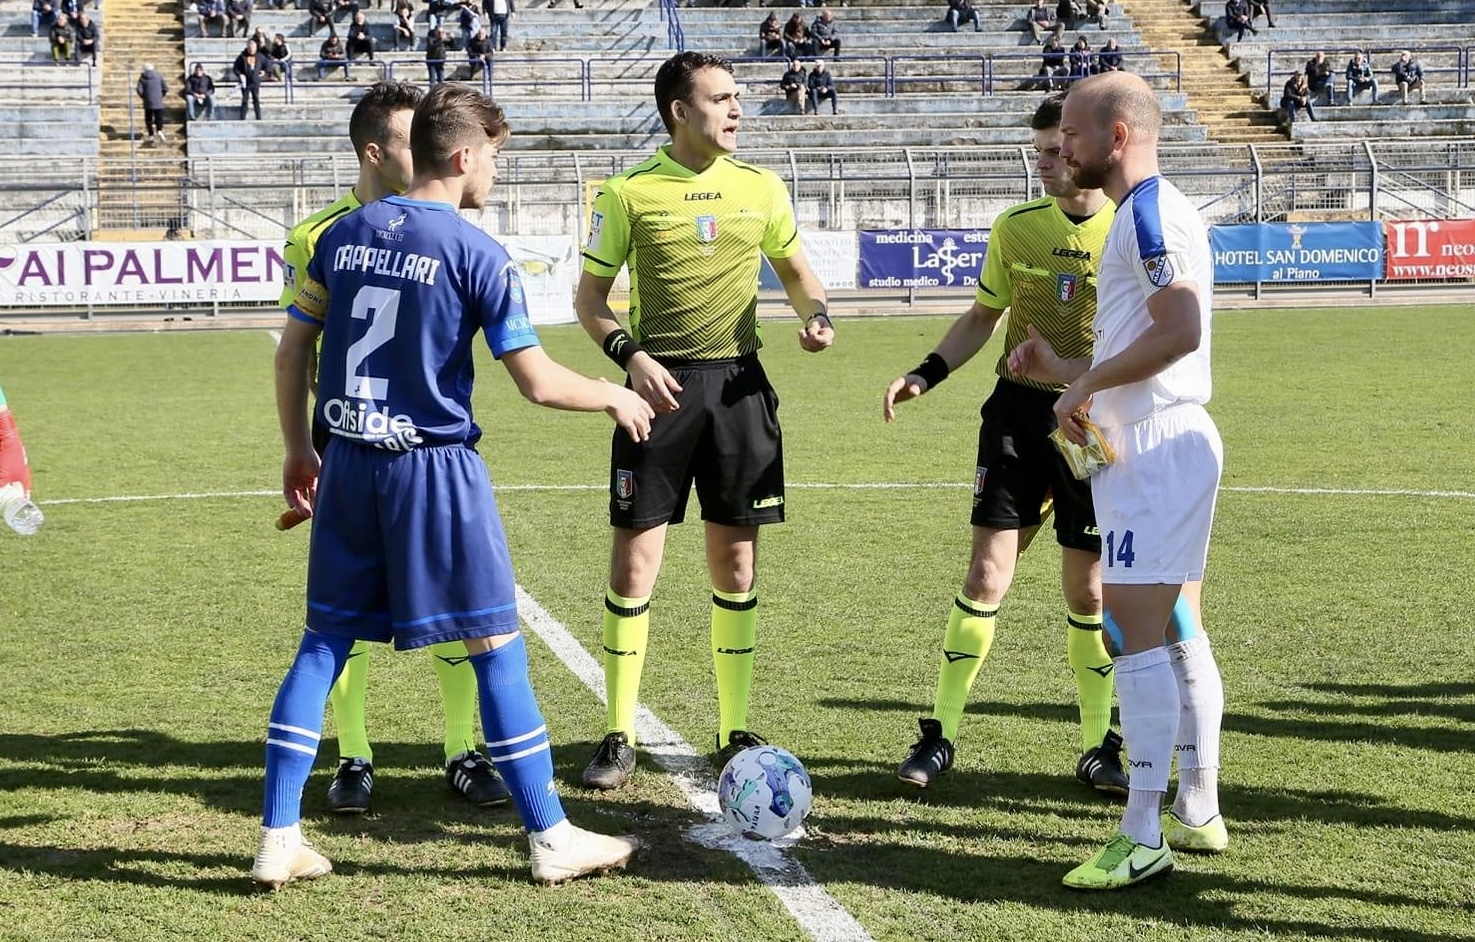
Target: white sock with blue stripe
x,y
296,725
517,737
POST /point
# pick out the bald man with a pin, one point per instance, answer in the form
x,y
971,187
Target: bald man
x,y
1144,387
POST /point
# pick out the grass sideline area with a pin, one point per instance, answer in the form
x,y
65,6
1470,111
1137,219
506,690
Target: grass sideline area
x,y
144,640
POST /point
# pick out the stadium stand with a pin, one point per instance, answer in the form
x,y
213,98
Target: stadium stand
x,y
46,110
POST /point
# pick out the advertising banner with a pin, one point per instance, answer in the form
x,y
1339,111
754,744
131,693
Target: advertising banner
x,y
921,258
832,255
77,274
1443,248
1312,251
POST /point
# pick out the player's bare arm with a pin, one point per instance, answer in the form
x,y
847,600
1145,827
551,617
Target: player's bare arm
x,y
544,382
807,295
647,377
1175,332
964,338
300,464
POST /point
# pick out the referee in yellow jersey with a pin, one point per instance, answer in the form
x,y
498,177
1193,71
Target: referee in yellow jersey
x,y
380,131
1041,267
691,224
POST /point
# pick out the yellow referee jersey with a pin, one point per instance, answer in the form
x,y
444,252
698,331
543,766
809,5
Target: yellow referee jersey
x,y
1042,267
692,243
302,242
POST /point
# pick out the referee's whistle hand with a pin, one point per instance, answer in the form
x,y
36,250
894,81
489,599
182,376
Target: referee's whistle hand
x,y
816,337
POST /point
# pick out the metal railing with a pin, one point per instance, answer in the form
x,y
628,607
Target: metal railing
x,y
1460,70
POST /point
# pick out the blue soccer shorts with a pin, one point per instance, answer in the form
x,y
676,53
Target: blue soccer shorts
x,y
408,547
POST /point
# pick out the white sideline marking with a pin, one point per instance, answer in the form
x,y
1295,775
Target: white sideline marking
x,y
275,335
873,486
817,912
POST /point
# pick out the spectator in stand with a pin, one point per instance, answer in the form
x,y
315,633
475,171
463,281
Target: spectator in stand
x,y
469,21
771,36
1238,18
436,11
1409,76
1096,11
250,71
1262,7
279,57
210,11
1082,59
959,11
62,40
360,40
1109,59
42,14
499,14
1042,21
238,17
70,7
332,55
795,85
259,37
1319,77
796,37
404,25
151,91
1068,13
320,13
1360,77
822,86
1054,64
479,52
435,57
824,33
87,36
199,94
349,7
1296,97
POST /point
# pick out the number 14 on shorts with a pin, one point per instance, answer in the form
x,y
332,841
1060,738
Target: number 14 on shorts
x,y
1118,549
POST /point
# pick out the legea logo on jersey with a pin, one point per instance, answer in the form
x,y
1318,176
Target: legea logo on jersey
x,y
355,419
624,484
706,228
1065,287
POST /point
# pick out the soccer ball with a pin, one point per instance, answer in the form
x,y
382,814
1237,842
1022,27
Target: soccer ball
x,y
764,792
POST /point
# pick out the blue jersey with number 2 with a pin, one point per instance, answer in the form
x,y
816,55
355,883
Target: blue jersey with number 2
x,y
401,288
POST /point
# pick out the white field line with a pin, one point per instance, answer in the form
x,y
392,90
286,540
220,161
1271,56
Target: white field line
x,y
816,486
817,912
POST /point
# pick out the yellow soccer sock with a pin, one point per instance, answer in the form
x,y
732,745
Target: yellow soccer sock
x,y
626,628
965,644
457,695
734,632
349,694
1086,650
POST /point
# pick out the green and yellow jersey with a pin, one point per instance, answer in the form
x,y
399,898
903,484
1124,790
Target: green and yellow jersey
x,y
1042,267
302,242
692,243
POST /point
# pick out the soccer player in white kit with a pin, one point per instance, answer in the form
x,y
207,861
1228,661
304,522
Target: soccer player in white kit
x,y
1145,387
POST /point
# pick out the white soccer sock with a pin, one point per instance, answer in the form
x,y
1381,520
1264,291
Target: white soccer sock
x,y
556,837
1148,699
289,836
1201,693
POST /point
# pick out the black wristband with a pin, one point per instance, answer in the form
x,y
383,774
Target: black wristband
x,y
620,346
933,370
825,314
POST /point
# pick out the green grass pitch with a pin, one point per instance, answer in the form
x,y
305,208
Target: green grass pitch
x,y
142,642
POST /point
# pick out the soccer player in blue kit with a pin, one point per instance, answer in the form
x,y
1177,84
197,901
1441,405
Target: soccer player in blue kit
x,y
407,545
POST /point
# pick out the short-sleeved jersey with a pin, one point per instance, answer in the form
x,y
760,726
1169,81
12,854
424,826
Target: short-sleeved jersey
x,y
692,243
302,242
401,288
1158,239
1042,267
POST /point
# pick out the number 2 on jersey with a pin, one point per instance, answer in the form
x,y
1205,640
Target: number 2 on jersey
x,y
1119,549
380,307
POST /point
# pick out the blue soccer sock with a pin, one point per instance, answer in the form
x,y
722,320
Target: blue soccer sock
x,y
297,725
517,737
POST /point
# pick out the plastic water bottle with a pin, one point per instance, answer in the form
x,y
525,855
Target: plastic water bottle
x,y
19,511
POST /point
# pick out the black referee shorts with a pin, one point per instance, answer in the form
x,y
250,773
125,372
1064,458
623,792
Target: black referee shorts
x,y
725,438
1018,465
